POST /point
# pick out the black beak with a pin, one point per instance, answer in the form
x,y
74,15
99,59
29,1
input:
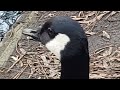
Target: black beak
x,y
32,33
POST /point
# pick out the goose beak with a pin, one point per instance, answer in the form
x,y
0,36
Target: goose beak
x,y
32,33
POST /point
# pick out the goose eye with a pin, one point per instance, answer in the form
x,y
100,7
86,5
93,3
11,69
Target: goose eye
x,y
50,31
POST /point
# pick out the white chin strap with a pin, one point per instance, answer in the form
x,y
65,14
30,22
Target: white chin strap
x,y
58,44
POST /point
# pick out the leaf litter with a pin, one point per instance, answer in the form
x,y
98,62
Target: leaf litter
x,y
107,59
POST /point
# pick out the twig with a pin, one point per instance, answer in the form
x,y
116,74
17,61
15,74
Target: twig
x,y
111,14
13,70
43,70
18,75
101,49
15,63
17,49
31,73
81,12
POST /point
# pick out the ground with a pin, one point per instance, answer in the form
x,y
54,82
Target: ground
x,y
31,59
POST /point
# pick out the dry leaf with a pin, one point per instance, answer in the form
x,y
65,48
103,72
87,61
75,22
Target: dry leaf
x,y
36,12
98,57
77,18
44,60
52,73
31,73
106,12
83,22
22,51
21,64
56,62
114,58
31,53
118,48
50,15
39,77
80,14
105,34
105,65
29,62
90,33
87,22
107,52
14,58
103,74
91,14
116,75
99,51
95,76
100,16
111,14
110,50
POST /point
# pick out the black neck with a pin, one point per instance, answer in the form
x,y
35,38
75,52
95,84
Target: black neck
x,y
75,65
75,68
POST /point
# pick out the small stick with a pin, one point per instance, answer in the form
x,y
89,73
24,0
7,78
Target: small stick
x,y
18,75
15,63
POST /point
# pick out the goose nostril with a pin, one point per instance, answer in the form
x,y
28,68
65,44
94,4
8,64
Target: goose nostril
x,y
33,32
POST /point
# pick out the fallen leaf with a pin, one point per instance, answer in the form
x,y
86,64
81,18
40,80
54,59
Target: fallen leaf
x,y
90,33
52,73
110,50
105,65
105,34
99,51
114,58
14,58
107,52
118,48
91,14
95,76
111,14
21,64
22,51
80,14
36,12
31,53
98,57
100,16
77,18
39,77
44,59
87,21
50,15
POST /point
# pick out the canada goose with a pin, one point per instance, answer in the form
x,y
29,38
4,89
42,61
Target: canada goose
x,y
67,40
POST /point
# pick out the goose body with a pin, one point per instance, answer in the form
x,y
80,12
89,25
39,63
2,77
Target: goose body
x,y
67,40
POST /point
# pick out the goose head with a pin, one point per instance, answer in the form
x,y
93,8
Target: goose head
x,y
65,38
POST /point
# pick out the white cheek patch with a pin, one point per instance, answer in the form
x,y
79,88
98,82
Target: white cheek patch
x,y
58,44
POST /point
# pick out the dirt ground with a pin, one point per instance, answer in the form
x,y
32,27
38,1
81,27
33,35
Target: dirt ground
x,y
39,63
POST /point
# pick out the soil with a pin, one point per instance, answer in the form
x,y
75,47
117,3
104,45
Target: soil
x,y
31,66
